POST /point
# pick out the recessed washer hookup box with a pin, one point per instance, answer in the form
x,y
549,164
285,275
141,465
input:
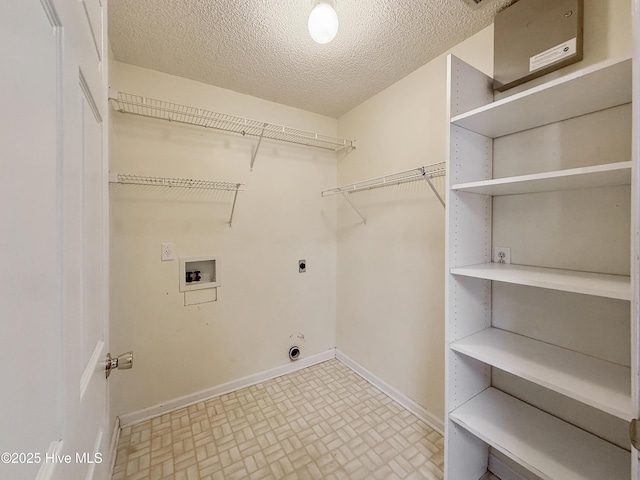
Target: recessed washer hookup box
x,y
535,37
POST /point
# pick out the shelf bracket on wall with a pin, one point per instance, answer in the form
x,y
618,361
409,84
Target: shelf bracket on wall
x,y
345,195
255,152
427,173
428,177
128,179
233,207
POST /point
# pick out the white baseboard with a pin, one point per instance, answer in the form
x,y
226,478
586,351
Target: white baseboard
x,y
145,414
414,407
503,470
139,416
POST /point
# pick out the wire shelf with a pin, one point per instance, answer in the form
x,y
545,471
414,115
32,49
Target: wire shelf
x,y
420,173
129,179
427,173
125,178
173,112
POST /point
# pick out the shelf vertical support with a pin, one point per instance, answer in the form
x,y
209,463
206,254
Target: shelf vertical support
x,y
255,152
346,197
233,207
427,177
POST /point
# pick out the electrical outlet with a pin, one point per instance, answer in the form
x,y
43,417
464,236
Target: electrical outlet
x,y
501,254
168,251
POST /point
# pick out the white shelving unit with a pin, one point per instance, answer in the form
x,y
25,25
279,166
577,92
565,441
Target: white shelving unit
x,y
545,445
587,283
482,333
609,175
174,112
598,383
561,99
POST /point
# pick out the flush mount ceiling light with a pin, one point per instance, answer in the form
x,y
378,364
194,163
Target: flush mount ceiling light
x,y
323,21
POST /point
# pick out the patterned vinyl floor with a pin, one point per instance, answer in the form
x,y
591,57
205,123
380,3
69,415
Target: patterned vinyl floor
x,y
322,422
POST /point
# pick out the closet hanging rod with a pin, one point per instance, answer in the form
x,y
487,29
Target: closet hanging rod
x,y
173,112
130,179
420,173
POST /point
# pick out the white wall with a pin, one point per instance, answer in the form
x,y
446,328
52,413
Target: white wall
x,y
264,305
390,316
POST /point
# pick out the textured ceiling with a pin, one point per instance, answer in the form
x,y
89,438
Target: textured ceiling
x,y
262,47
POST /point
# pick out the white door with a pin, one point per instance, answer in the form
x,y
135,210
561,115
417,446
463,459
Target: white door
x,y
53,238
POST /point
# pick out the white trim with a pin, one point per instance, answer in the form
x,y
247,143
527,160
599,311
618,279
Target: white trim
x,y
415,408
113,446
52,14
96,449
635,229
90,368
86,91
503,470
47,468
139,416
145,414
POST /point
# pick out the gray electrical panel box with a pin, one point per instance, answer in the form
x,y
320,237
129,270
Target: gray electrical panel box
x,y
535,37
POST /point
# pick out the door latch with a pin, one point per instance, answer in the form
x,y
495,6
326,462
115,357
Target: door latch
x,y
121,362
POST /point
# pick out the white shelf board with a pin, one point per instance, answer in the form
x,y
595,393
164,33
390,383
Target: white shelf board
x,y
596,284
608,175
595,382
595,88
545,445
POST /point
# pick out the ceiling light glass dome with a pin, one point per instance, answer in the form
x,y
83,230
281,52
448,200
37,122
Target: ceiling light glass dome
x,y
323,22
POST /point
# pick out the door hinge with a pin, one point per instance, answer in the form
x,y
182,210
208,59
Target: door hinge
x,y
634,433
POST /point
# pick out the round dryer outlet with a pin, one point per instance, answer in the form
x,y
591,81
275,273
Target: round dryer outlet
x,y
294,353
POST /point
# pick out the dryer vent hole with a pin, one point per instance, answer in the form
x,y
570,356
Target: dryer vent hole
x,y
294,353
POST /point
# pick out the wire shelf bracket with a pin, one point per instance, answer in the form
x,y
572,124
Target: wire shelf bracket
x,y
433,189
345,195
129,179
426,173
173,112
255,152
